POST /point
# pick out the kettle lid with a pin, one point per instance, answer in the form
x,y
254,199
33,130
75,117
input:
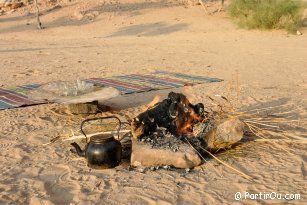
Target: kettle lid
x,y
102,138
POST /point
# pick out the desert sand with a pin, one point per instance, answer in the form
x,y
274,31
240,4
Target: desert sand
x,y
106,38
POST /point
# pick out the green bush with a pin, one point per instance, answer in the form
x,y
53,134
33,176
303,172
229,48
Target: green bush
x,y
267,14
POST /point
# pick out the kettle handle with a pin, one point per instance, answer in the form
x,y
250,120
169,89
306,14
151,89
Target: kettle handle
x,y
98,118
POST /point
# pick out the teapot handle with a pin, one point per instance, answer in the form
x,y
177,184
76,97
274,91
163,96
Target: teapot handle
x,y
98,118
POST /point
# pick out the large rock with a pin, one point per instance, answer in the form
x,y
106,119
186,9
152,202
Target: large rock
x,y
226,133
143,155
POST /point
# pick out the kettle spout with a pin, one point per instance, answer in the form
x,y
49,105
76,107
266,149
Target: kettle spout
x,y
80,152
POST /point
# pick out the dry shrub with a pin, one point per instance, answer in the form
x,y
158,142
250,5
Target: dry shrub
x,y
267,14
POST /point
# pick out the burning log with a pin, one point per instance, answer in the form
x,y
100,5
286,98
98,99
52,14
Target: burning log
x,y
175,113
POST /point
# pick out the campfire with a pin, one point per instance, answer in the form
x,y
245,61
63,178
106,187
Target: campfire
x,y
177,117
176,114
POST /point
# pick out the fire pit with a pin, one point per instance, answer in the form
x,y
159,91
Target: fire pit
x,y
163,134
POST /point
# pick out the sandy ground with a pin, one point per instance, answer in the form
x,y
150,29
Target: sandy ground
x,y
138,37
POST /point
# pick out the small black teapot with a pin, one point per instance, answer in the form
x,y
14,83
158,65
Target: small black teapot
x,y
103,151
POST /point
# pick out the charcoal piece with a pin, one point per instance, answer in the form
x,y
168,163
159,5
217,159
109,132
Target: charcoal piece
x,y
174,147
176,114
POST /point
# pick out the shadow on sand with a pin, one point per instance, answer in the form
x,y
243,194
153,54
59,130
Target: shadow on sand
x,y
41,48
153,29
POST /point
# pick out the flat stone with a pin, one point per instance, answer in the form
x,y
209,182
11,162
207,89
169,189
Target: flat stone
x,y
143,155
84,108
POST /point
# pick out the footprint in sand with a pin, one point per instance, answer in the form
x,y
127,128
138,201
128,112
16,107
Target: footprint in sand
x,y
58,184
27,73
5,144
30,72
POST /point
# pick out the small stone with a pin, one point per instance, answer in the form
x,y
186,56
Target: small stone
x,y
298,32
130,168
174,148
78,14
187,170
167,167
142,170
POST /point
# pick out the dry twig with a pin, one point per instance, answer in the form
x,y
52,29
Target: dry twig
x,y
220,161
204,6
39,24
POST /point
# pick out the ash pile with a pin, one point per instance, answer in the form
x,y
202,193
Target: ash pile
x,y
162,139
164,135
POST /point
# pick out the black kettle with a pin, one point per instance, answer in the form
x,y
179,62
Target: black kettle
x,y
103,150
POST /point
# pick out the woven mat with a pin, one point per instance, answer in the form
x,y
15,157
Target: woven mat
x,y
18,96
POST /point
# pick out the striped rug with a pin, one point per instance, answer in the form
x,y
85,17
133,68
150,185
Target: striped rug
x,y
18,96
